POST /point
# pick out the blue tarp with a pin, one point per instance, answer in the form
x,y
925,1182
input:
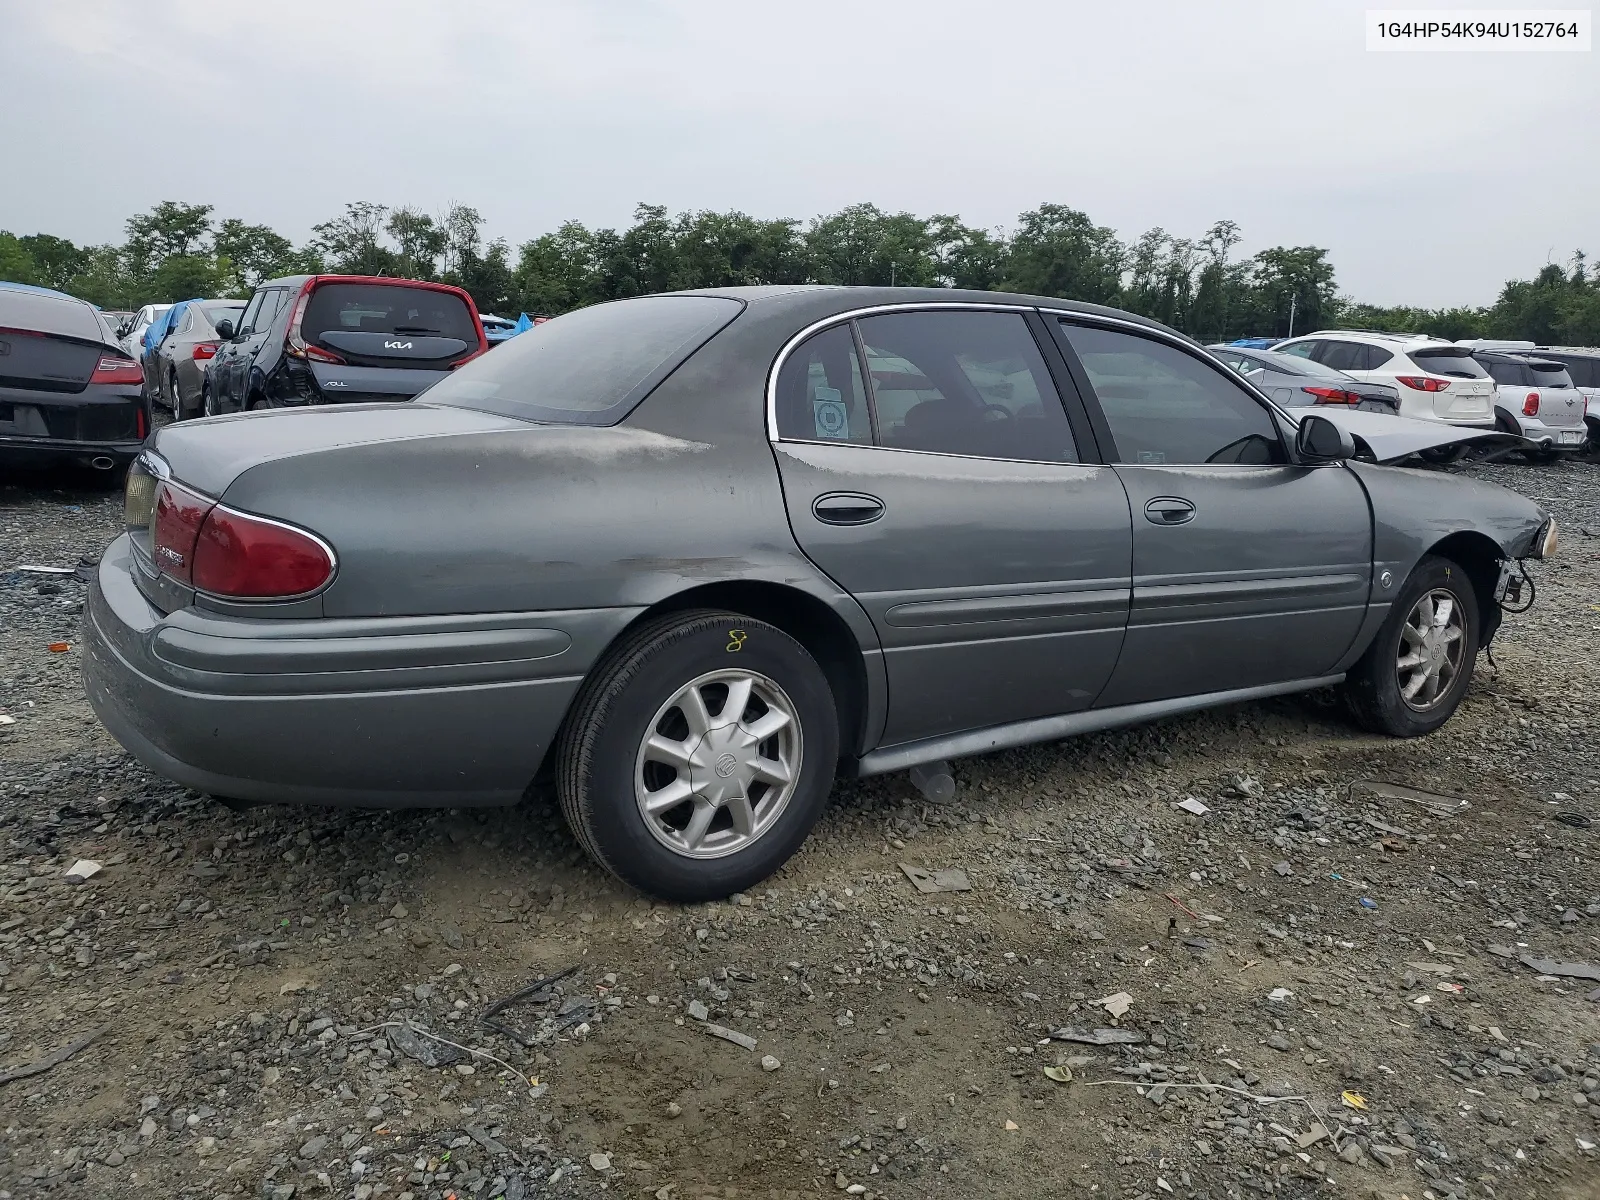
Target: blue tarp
x,y
523,324
165,324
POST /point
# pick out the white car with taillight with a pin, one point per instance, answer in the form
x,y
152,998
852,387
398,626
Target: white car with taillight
x,y
1436,380
1535,397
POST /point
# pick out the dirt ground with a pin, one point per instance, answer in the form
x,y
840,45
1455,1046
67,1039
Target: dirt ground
x,y
1325,981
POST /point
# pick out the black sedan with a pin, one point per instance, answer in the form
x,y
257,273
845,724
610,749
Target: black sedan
x,y
694,555
68,392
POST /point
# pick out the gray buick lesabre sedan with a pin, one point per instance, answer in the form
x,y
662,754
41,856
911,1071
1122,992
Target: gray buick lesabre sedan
x,y
694,555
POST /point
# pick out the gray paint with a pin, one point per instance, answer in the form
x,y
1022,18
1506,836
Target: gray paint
x,y
485,564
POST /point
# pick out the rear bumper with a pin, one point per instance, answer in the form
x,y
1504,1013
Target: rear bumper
x,y
384,712
49,452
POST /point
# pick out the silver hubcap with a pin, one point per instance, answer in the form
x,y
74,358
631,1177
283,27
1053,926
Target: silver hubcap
x,y
1432,645
718,764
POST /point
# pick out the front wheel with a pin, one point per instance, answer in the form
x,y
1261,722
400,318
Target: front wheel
x,y
698,755
1413,676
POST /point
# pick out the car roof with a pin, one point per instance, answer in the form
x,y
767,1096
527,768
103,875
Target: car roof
x,y
805,304
1379,335
38,291
1531,358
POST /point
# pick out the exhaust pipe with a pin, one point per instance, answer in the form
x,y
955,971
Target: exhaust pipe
x,y
101,463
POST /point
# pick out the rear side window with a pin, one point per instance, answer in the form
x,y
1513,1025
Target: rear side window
x,y
1458,364
1166,406
1376,356
384,308
1344,356
1510,374
589,367
967,383
1301,349
820,393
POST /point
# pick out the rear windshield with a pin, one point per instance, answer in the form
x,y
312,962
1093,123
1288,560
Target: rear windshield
x,y
49,314
387,308
1585,371
589,367
215,312
1447,361
1550,375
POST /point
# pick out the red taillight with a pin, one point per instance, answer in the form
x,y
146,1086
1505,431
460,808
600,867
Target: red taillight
x,y
251,558
116,368
1332,395
293,342
1530,406
204,350
179,513
139,423
1423,383
461,362
318,354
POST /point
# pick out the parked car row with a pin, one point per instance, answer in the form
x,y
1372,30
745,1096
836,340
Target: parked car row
x,y
1549,396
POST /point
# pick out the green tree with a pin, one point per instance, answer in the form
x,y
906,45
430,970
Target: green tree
x,y
186,277
1059,251
488,278
420,242
57,259
253,254
560,271
863,245
968,258
351,243
16,264
170,228
1298,278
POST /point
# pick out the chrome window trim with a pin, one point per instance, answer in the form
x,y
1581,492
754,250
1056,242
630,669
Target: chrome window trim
x,y
842,318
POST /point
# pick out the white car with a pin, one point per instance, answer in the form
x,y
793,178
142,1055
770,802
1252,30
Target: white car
x,y
1535,397
133,344
1583,364
1436,380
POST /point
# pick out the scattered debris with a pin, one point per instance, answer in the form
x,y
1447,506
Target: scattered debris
x,y
1283,868
599,1161
1368,903
36,570
769,1062
1100,1036
1279,994
950,879
1431,968
731,1035
1116,1004
699,1011
1190,805
80,871
1576,819
58,647
1549,966
1353,1100
1311,1136
537,992
50,1061
1059,1074
1012,1126
7,719
426,1050
1435,803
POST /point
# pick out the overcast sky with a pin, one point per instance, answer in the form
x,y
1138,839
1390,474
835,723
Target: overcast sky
x,y
1432,178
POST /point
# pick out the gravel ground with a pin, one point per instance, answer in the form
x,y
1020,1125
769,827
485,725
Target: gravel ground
x,y
276,991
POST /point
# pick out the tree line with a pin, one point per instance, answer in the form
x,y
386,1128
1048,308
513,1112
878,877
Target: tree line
x,y
1198,285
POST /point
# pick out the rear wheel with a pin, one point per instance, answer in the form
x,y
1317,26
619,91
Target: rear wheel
x,y
258,402
698,755
178,411
1413,676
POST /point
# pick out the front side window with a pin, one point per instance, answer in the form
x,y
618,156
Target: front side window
x,y
820,393
247,322
967,383
1166,406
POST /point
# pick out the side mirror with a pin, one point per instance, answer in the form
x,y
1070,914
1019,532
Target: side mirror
x,y
225,329
1321,441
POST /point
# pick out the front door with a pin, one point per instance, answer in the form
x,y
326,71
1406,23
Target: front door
x,y
1247,569
943,489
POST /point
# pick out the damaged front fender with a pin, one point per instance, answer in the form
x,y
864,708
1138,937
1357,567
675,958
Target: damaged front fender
x,y
1392,440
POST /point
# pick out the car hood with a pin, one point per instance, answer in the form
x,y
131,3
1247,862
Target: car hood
x,y
1392,439
212,453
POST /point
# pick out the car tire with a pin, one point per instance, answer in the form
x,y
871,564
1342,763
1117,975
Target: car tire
x,y
610,766
178,413
257,403
1375,688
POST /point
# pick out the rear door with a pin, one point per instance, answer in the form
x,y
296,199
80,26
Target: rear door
x,y
1470,396
230,365
944,488
1247,570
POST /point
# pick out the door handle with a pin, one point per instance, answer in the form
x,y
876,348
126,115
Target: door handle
x,y
1168,510
847,508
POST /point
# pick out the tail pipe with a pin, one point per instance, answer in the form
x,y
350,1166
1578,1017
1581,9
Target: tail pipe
x,y
101,462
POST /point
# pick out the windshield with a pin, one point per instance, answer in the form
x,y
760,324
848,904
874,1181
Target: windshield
x,y
1457,363
591,366
387,308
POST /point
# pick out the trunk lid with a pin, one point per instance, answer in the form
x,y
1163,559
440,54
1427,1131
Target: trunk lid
x,y
209,455
1470,396
48,342
389,323
344,384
